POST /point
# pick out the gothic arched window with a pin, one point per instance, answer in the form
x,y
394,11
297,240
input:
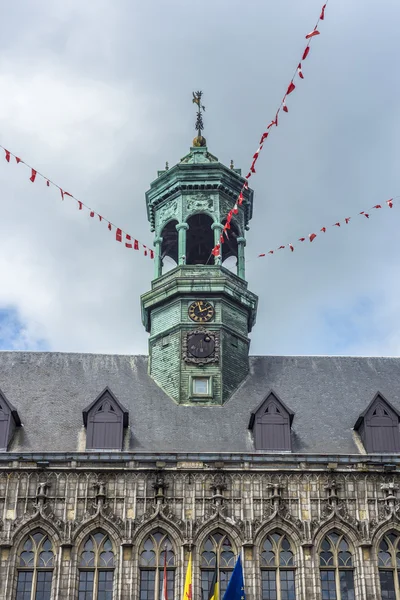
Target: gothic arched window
x,y
155,551
217,550
277,568
35,568
389,566
336,568
96,568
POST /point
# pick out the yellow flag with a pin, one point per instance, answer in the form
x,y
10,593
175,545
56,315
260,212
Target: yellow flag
x,y
187,592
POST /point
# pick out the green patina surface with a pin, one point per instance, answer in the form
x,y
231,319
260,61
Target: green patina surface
x,y
199,184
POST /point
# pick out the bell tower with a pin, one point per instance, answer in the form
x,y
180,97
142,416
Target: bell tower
x,y
198,314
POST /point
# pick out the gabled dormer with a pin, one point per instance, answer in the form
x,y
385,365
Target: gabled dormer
x,y
105,419
378,426
9,420
270,423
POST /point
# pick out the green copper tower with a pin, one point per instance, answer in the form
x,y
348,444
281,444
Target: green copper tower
x,y
198,314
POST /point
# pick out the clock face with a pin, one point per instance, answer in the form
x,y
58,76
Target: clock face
x,y
201,345
201,311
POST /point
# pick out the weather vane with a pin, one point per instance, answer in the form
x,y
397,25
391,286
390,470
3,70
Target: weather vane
x,y
200,107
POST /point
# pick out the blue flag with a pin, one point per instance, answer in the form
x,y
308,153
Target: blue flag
x,y
235,589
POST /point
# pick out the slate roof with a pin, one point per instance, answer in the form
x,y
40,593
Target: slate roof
x,y
327,394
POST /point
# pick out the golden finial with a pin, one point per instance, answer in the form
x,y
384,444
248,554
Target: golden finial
x,y
199,140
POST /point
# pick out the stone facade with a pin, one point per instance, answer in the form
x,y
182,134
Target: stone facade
x,y
303,498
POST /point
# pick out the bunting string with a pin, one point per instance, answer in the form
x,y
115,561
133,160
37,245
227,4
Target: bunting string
x,y
311,236
121,236
298,74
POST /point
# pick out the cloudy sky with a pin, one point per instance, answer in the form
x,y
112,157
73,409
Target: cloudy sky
x,y
97,96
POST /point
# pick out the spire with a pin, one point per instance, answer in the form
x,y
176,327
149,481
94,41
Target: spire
x,y
199,140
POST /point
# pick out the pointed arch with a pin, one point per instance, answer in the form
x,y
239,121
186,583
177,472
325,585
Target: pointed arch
x,y
156,551
97,560
217,553
36,561
386,545
277,563
336,559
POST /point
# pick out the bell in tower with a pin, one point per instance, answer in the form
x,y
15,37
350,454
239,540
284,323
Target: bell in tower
x,y
199,313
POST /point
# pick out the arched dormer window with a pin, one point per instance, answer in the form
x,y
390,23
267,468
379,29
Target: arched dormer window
x,y
9,420
271,422
378,426
105,420
277,568
35,567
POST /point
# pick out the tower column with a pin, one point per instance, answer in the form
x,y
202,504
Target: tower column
x,y
217,228
181,229
241,242
157,257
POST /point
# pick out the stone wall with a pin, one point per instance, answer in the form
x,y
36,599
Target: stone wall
x,y
189,501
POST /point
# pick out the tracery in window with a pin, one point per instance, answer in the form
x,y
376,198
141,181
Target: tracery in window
x,y
35,568
336,568
217,550
389,566
96,568
277,568
156,551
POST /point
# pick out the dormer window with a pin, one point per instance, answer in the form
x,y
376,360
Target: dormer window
x,y
378,426
270,423
9,420
105,419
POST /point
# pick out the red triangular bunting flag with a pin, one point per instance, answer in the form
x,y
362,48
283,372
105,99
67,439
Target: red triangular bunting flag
x,y
80,205
215,250
271,252
136,245
323,229
291,88
305,53
347,219
264,137
151,253
235,210
17,159
291,247
48,183
301,239
390,203
260,255
92,213
377,206
33,175
240,201
118,235
100,217
145,250
285,108
276,118
128,243
312,236
281,247
336,225
300,72
312,34
322,15
7,155
109,226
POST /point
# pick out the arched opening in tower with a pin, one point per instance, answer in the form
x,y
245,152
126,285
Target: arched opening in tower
x,y
230,247
199,240
169,246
